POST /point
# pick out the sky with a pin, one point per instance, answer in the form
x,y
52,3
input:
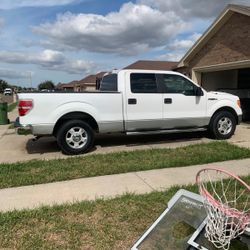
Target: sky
x,y
65,40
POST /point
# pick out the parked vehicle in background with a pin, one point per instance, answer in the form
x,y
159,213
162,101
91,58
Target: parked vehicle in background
x,y
131,102
8,91
44,90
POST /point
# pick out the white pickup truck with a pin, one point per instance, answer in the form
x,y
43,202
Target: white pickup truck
x,y
132,102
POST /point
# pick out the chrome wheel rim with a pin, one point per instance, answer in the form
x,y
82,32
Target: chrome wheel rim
x,y
76,138
225,126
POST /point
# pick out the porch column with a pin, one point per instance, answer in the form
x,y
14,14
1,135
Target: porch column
x,y
196,77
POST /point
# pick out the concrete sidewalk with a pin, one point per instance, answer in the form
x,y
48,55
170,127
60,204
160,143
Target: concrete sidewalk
x,y
29,197
3,130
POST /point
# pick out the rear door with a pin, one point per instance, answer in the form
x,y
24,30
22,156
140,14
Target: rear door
x,y
144,109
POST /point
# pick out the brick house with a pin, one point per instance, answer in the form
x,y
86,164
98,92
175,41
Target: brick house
x,y
67,86
86,84
89,82
220,59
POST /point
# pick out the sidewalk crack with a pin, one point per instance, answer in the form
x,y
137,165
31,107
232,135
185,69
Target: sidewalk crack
x,y
145,181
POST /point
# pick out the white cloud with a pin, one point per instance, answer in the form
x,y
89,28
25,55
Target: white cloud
x,y
184,44
174,57
8,4
188,9
48,59
178,48
12,74
132,30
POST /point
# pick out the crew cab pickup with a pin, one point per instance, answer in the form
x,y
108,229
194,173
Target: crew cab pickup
x,y
132,102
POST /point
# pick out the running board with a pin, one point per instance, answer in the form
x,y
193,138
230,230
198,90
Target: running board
x,y
172,131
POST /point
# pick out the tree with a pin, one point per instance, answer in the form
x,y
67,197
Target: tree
x,y
3,85
46,85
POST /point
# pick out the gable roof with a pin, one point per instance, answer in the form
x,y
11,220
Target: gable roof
x,y
100,74
154,65
90,80
215,26
66,85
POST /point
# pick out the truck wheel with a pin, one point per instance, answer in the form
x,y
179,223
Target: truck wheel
x,y
222,125
75,137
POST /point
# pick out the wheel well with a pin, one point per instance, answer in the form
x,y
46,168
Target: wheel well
x,y
76,116
229,109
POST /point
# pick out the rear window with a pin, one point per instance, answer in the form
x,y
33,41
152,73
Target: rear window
x,y
143,83
109,83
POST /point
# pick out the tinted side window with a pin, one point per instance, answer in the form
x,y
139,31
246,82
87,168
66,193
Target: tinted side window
x,y
143,83
109,83
177,84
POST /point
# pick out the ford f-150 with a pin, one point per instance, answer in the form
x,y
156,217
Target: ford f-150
x,y
132,102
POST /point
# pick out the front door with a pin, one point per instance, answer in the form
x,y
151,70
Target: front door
x,y
181,107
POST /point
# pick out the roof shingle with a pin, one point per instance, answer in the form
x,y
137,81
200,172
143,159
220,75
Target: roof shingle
x,y
152,65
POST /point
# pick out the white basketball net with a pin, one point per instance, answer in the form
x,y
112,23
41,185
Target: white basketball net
x,y
227,203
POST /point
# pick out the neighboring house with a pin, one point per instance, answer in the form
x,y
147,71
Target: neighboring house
x,y
89,82
220,59
152,65
67,86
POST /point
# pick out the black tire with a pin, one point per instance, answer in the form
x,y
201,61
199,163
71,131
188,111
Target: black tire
x,y
222,125
75,137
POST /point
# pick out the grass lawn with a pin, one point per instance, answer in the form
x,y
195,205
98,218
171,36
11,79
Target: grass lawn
x,y
38,171
12,106
110,224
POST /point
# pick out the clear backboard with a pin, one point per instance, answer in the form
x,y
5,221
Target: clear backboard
x,y
182,226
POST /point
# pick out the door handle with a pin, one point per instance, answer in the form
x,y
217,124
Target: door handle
x,y
168,100
132,101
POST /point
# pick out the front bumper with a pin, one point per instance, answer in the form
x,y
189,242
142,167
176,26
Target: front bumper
x,y
239,119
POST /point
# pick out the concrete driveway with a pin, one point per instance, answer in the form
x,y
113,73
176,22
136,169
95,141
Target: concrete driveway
x,y
15,147
8,99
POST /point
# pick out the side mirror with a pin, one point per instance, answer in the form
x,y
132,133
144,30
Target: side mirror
x,y
199,92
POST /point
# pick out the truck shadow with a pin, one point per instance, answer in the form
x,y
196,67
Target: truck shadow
x,y
49,145
42,146
141,140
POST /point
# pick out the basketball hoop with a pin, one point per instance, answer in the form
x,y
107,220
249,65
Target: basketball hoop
x,y
227,203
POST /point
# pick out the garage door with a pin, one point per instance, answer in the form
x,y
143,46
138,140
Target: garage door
x,y
244,86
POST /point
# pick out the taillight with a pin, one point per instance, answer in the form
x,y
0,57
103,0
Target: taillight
x,y
24,106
